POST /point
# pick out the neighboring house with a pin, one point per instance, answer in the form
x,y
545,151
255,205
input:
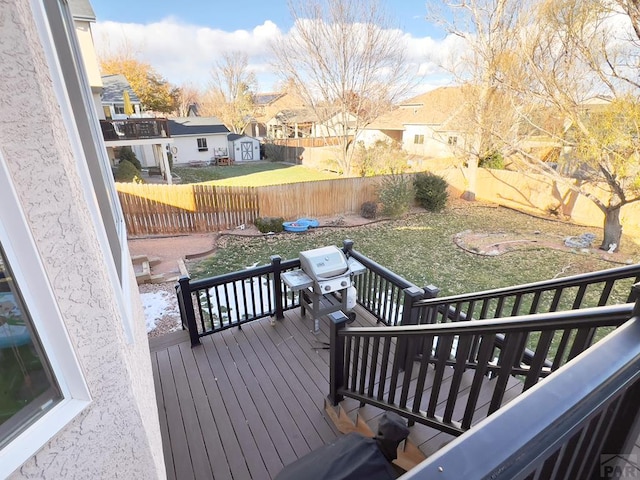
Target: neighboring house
x,y
267,106
147,136
243,148
197,139
113,97
306,123
80,403
428,125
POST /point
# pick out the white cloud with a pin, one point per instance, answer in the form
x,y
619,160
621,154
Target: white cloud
x,y
184,53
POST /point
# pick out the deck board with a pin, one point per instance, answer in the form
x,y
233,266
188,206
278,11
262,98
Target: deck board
x,y
249,401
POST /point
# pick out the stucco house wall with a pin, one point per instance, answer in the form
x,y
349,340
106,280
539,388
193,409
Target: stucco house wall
x,y
434,143
117,434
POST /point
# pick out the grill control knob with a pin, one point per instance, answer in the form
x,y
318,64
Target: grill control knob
x,y
327,288
343,283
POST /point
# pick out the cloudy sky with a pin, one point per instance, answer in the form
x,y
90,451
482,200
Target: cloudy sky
x,y
182,40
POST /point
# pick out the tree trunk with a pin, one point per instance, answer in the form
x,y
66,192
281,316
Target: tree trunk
x,y
472,180
612,229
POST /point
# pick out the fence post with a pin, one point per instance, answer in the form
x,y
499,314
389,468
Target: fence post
x,y
277,285
187,310
337,321
409,317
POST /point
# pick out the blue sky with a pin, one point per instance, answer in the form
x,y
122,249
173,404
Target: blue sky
x,y
183,40
410,14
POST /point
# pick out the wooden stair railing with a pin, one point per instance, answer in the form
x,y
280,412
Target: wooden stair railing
x,y
367,364
576,424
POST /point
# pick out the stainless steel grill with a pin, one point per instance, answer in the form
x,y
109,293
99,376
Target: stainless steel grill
x,y
327,267
323,281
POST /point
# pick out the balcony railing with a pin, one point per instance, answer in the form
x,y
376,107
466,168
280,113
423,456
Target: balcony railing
x,y
134,129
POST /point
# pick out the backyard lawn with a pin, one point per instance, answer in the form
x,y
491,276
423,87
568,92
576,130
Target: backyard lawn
x,y
254,174
420,248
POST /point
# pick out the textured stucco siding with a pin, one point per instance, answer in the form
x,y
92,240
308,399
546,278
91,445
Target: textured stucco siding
x,y
117,435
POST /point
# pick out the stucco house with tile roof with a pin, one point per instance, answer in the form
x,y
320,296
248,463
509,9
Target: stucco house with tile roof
x,y
427,125
81,401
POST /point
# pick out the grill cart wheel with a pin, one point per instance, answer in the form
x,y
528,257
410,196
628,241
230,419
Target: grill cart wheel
x,y
352,317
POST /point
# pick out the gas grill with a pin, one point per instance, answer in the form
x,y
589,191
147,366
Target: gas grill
x,y
328,268
323,279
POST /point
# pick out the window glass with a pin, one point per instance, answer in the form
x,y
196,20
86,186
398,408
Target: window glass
x,y
202,144
27,386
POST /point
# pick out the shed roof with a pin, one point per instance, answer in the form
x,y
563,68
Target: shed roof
x,y
235,136
196,126
114,87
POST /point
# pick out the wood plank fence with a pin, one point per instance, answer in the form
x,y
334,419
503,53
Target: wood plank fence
x,y
174,209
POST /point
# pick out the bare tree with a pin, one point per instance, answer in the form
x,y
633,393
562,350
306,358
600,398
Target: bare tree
x,y
574,63
231,95
487,120
348,64
187,96
567,70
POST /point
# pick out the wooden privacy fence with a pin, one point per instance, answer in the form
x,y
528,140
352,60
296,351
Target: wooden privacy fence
x,y
173,209
316,199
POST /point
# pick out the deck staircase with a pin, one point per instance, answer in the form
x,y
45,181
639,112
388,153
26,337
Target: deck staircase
x,y
445,364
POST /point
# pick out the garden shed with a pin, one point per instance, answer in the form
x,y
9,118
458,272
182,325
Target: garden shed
x,y
243,148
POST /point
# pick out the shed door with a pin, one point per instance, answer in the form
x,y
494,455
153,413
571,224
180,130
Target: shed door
x,y
247,150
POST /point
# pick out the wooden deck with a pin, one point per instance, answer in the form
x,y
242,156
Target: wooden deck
x,y
249,401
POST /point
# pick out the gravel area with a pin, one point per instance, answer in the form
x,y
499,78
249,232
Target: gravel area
x,y
161,308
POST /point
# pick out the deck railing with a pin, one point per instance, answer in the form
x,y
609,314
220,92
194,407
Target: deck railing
x,y
230,300
582,422
134,129
594,289
383,293
233,299
369,365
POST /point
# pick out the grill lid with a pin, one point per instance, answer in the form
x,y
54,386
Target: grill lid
x,y
323,263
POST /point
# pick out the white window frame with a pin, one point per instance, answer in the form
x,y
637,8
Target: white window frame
x,y
123,284
31,278
418,139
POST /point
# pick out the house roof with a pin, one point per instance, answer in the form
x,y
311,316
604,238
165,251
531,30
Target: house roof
x,y
435,107
266,98
82,10
114,87
196,126
297,115
235,136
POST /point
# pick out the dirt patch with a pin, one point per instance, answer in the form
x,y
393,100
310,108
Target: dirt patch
x,y
499,243
168,250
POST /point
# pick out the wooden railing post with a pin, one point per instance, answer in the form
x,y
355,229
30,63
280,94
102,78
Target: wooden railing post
x,y
635,295
276,260
431,291
409,317
347,246
187,310
337,321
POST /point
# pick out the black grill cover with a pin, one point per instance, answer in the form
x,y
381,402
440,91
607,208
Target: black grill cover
x,y
352,457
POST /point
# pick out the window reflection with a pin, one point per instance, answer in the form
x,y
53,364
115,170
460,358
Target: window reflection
x,y
27,386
